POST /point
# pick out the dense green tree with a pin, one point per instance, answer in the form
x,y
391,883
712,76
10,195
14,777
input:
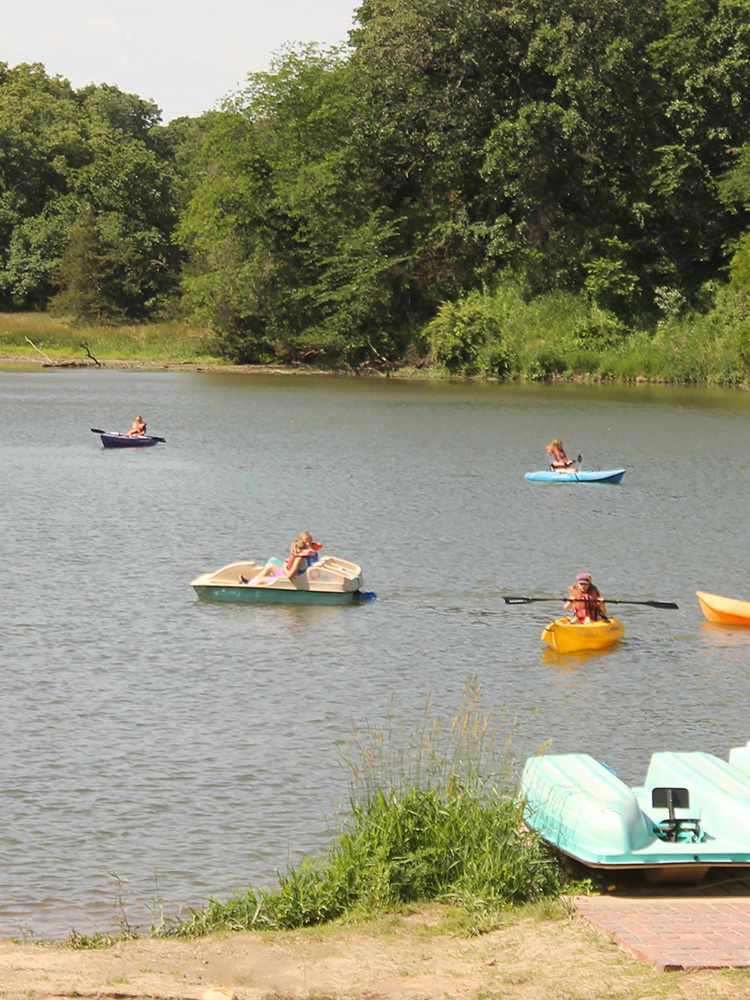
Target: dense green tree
x,y
127,114
568,157
345,197
289,257
40,144
180,143
85,273
577,143
734,185
64,154
431,78
703,66
130,190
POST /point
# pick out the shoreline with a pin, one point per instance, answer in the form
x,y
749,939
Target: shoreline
x,y
12,362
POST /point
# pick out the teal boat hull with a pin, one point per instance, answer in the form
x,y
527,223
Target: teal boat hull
x,y
266,595
582,808
581,476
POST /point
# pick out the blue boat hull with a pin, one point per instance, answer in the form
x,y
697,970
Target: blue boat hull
x,y
123,441
582,476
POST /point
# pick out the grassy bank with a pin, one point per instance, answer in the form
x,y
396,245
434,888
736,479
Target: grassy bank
x,y
431,818
564,335
499,335
59,339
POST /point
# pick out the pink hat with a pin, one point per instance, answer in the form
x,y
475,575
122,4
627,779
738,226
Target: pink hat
x,y
583,576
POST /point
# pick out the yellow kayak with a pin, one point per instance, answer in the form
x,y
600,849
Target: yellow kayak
x,y
724,610
565,637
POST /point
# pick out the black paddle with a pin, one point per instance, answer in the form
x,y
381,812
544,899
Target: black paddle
x,y
650,604
98,430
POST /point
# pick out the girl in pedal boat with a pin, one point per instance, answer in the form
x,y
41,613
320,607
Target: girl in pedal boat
x,y
586,601
302,553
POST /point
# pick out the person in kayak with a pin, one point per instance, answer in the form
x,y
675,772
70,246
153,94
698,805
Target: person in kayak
x,y
559,460
302,553
586,601
137,428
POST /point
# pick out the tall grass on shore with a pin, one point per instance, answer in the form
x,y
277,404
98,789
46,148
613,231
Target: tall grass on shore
x,y
499,333
426,822
52,336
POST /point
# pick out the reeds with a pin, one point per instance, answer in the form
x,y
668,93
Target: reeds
x,y
426,821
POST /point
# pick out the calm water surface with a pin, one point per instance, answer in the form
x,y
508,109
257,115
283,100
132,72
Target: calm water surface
x,y
191,749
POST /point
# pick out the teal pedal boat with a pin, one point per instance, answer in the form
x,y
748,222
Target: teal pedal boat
x,y
328,581
691,814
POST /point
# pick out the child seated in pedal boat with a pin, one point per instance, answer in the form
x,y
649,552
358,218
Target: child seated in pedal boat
x,y
303,552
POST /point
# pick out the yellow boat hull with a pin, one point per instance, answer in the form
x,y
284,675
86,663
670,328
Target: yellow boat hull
x,y
565,637
724,610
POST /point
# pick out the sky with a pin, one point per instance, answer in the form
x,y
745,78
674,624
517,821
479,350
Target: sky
x,y
183,55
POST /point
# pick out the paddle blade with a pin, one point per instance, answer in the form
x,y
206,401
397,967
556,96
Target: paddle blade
x,y
366,595
98,430
647,604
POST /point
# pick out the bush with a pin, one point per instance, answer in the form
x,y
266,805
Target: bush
x,y
460,331
600,330
546,364
496,360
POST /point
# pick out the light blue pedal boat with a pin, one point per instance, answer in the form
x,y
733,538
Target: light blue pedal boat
x,y
573,476
692,813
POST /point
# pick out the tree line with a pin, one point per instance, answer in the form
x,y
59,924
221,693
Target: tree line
x,y
374,203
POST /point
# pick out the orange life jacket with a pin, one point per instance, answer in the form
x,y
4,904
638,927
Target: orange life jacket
x,y
585,605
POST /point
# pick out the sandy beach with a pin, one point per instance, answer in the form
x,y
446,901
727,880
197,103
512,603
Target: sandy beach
x,y
410,956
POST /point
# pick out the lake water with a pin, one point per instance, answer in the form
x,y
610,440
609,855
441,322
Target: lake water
x,y
169,749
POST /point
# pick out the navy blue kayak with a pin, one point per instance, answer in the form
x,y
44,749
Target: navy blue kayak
x,y
572,476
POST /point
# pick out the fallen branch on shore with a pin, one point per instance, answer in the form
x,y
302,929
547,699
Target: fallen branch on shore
x,y
46,357
95,360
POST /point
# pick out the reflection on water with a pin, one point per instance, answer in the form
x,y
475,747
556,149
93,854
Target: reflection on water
x,y
195,746
569,661
727,635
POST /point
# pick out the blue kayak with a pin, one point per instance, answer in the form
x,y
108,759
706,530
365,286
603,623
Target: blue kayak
x,y
572,476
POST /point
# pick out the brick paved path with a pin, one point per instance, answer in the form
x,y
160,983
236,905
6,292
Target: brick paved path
x,y
692,927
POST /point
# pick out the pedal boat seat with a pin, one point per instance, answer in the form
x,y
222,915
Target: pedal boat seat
x,y
675,828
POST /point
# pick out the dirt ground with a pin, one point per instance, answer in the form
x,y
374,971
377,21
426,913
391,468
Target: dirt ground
x,y
399,957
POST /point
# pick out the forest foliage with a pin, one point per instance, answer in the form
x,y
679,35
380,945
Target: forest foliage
x,y
428,194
